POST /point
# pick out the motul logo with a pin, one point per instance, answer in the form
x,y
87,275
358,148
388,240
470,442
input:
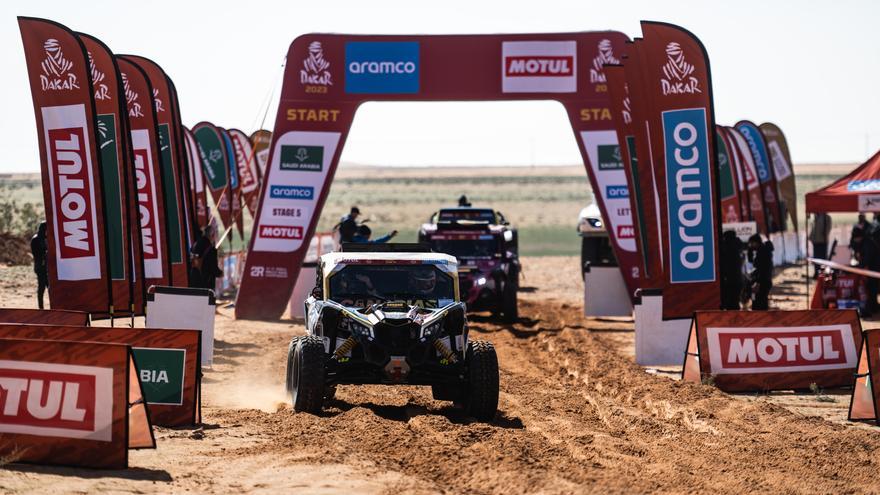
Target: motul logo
x,y
626,232
72,191
56,400
539,66
145,203
769,350
281,232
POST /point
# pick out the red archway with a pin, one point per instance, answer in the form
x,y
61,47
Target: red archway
x,y
327,78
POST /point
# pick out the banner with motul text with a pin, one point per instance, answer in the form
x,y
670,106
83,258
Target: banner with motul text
x,y
70,403
248,176
758,149
168,363
328,76
212,154
148,173
118,181
682,136
58,71
783,172
170,167
757,351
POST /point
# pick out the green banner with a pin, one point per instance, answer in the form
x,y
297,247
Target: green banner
x,y
172,206
112,195
161,373
725,171
211,149
609,157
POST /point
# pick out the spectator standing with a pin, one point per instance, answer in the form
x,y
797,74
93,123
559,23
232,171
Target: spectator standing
x,y
40,249
761,254
731,270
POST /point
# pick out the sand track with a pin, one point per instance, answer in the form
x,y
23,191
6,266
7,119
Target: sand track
x,y
576,415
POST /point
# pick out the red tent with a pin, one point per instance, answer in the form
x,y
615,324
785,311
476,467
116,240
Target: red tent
x,y
857,191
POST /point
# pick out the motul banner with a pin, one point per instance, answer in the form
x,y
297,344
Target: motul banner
x,y
780,158
261,140
116,173
865,400
148,173
197,176
728,190
44,316
758,150
755,351
248,176
758,211
622,112
329,76
234,189
212,154
168,363
169,161
58,70
682,127
70,403
643,166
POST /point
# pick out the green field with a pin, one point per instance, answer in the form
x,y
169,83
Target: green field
x,y
543,202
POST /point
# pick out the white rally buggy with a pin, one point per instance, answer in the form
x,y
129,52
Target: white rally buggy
x,y
390,316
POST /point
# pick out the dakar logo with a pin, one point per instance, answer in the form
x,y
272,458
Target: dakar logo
x,y
627,111
131,97
55,68
315,69
159,106
102,92
605,56
678,72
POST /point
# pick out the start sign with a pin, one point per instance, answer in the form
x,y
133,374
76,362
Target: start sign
x,y
773,350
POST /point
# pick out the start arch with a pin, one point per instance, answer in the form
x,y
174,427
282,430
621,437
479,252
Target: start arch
x,y
328,76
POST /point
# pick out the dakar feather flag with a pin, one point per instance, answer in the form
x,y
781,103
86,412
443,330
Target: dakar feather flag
x,y
678,82
758,149
197,179
185,187
120,193
261,140
757,208
782,169
58,71
147,167
248,177
212,152
169,164
728,190
234,188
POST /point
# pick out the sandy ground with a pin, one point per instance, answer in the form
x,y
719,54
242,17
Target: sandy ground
x,y
576,416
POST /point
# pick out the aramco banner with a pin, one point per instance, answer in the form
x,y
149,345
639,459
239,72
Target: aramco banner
x,y
682,130
261,140
329,75
248,176
728,189
757,209
197,176
780,158
148,173
643,166
71,403
169,163
623,120
234,189
77,260
758,149
758,351
212,153
116,174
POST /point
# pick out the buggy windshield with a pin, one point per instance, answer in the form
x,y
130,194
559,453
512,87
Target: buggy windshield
x,y
417,285
483,246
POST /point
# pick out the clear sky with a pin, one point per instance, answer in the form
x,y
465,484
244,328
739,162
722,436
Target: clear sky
x,y
812,67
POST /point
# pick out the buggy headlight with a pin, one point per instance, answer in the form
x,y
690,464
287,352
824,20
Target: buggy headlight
x,y
481,281
432,330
